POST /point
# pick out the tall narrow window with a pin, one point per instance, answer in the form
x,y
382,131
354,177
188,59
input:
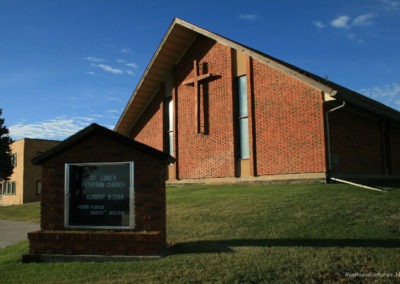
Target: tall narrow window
x,y
13,189
14,160
38,187
169,116
170,125
243,119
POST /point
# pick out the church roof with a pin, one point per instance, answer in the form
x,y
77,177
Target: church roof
x,y
179,38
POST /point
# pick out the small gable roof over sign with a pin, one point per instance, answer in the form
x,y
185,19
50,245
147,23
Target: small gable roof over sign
x,y
98,129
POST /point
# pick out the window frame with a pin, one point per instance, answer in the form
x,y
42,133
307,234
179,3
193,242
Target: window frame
x,y
242,118
9,188
38,187
14,160
131,195
170,122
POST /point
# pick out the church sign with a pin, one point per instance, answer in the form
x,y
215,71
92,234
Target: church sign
x,y
103,195
99,195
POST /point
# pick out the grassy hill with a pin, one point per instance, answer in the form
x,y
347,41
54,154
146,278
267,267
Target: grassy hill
x,y
29,212
252,234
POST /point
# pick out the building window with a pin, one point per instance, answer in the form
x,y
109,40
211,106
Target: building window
x,y
9,188
38,187
169,116
14,160
243,118
170,126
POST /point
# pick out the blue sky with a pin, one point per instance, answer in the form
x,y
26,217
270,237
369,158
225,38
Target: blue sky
x,y
67,63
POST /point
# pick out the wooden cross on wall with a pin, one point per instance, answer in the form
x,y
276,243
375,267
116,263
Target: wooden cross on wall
x,y
195,81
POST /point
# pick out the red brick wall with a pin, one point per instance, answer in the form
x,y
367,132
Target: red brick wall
x,y
288,116
207,154
289,123
356,139
95,243
394,134
149,129
210,154
288,134
150,210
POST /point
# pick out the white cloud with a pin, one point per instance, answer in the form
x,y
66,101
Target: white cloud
x,y
109,69
319,24
125,50
113,113
58,128
390,5
364,20
131,64
341,22
249,17
345,22
388,94
94,59
115,98
98,63
351,36
354,38
128,64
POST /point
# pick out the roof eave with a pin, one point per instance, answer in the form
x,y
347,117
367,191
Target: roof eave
x,y
95,128
130,116
122,125
370,105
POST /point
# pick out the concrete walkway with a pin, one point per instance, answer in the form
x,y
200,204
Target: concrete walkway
x,y
12,232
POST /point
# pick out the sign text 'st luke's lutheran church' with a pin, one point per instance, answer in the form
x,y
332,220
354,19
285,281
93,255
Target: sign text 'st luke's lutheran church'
x,y
228,112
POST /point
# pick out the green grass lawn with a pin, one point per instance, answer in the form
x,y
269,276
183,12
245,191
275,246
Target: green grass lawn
x,y
29,212
252,234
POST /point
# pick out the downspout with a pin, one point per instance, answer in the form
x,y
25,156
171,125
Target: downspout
x,y
328,139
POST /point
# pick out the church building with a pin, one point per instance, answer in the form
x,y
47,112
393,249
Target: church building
x,y
228,113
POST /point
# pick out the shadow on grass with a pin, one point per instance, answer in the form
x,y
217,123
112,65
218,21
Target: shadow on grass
x,y
221,246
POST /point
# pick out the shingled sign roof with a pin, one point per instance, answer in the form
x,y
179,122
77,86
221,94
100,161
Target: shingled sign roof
x,y
98,129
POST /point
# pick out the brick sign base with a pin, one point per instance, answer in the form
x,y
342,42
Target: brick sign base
x,y
96,243
143,235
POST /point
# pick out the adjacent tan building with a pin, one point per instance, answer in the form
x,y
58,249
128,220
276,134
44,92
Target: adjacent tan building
x,y
25,183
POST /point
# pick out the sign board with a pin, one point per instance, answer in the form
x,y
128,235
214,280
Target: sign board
x,y
99,195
